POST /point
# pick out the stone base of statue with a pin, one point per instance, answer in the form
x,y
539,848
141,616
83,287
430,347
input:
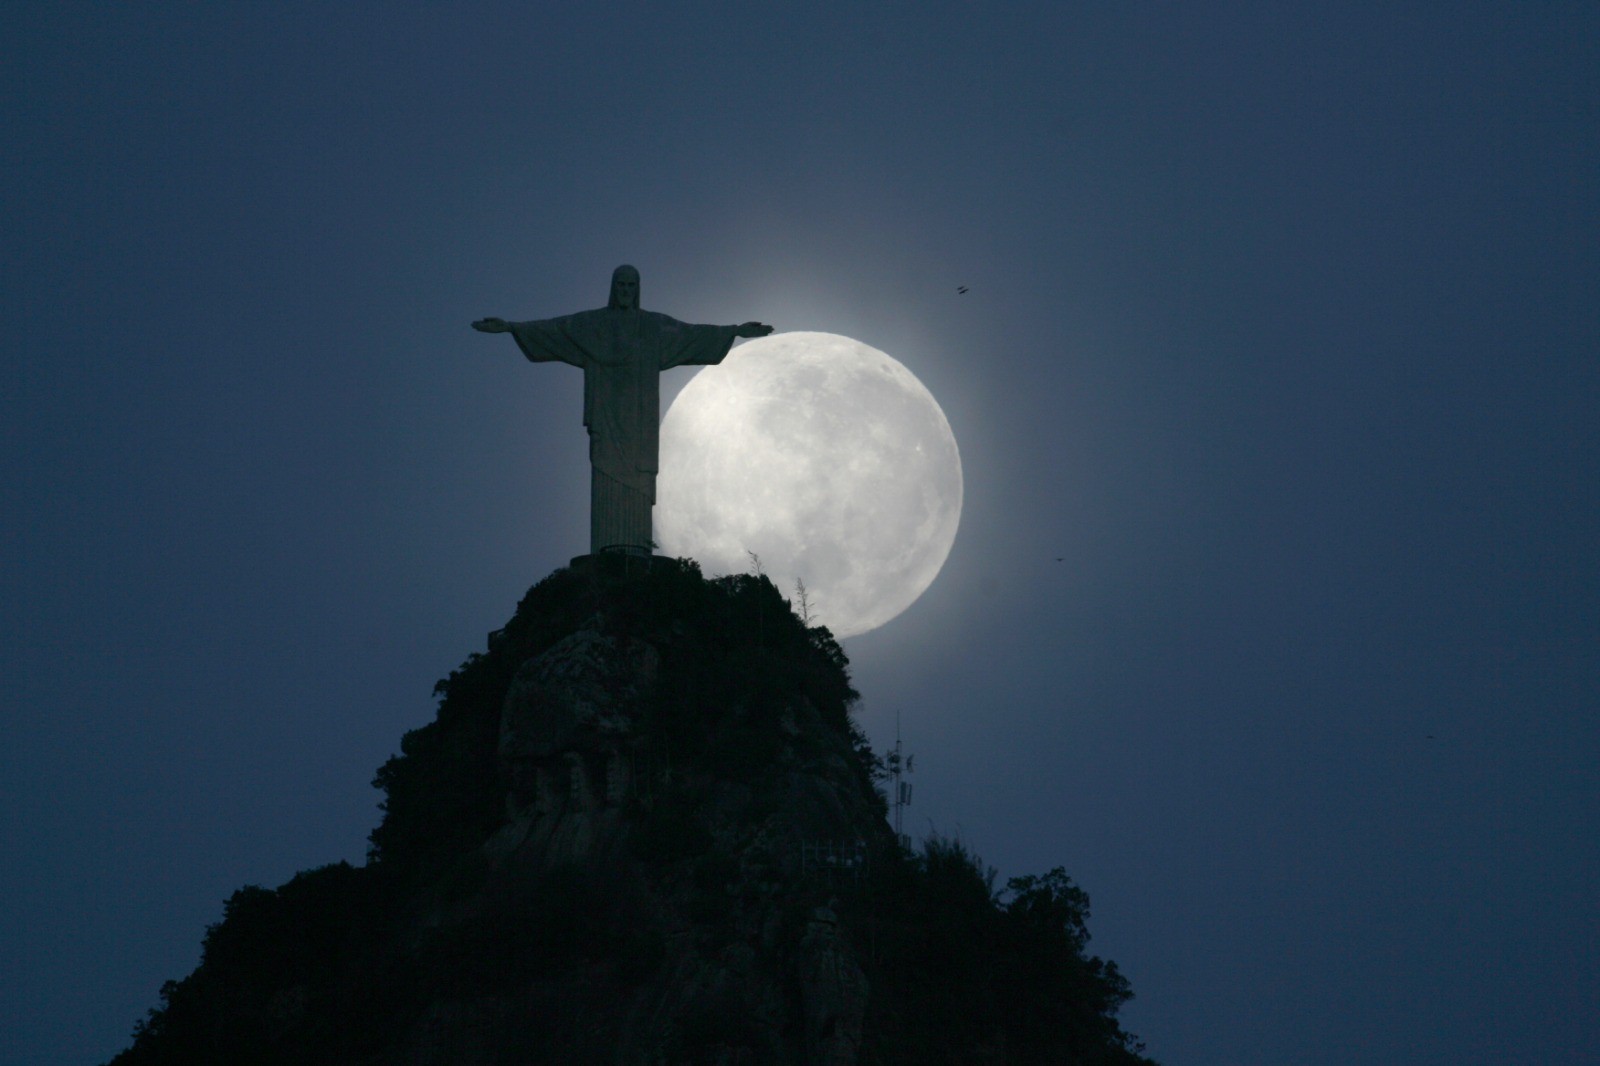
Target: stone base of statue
x,y
618,562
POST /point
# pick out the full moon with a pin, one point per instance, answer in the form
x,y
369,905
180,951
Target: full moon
x,y
825,459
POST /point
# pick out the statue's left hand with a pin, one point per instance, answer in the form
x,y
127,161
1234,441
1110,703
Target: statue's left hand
x,y
752,329
491,325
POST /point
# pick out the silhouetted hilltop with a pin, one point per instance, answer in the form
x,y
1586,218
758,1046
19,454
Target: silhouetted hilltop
x,y
643,828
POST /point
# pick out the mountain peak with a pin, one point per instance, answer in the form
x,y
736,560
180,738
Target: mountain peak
x,y
643,828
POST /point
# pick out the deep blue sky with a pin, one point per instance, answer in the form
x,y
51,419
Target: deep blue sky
x,y
1274,615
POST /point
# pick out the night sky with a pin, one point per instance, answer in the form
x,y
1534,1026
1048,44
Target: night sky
x,y
1274,614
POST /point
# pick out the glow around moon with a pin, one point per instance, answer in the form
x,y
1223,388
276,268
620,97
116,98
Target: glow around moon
x,y
827,459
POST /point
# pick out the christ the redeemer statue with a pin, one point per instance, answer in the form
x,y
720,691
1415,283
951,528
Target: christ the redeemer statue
x,y
622,351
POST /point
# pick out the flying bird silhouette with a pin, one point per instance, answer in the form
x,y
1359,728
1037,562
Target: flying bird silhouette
x,y
961,290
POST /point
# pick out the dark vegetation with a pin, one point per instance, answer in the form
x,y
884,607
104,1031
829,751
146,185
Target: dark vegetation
x,y
333,965
960,971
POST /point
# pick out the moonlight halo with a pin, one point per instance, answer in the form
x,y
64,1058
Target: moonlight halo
x,y
826,458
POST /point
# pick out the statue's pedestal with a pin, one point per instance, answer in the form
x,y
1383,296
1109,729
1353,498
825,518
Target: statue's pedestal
x,y
616,563
605,568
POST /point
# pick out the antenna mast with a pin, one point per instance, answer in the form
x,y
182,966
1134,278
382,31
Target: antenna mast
x,y
900,764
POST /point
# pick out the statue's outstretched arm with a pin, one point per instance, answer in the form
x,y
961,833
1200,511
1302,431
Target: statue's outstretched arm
x,y
752,329
492,325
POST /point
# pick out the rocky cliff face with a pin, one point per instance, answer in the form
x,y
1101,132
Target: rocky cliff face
x,y
641,829
707,827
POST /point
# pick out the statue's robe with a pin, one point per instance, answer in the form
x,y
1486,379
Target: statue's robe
x,y
622,352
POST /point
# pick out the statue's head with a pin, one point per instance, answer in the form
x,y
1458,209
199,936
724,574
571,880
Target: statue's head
x,y
624,287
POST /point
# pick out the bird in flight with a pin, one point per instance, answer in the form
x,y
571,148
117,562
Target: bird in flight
x,y
961,290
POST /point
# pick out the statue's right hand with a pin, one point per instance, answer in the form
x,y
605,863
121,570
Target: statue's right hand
x,y
491,325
